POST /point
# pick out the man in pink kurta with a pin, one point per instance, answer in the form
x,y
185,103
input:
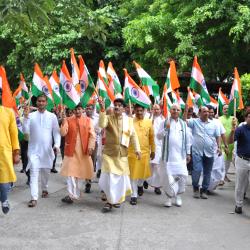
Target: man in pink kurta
x,y
79,145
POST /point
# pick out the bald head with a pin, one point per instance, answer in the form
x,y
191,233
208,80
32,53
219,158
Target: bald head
x,y
175,111
204,113
156,110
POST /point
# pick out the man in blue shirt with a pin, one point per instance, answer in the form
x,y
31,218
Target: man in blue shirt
x,y
242,161
206,135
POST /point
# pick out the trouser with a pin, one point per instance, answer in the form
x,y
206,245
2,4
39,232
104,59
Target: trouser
x,y
227,165
94,156
62,146
74,187
34,177
54,162
4,189
135,184
24,156
205,164
242,179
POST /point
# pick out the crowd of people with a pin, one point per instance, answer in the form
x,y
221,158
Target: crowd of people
x,y
129,147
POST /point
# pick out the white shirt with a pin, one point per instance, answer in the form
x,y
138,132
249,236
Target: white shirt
x,y
41,127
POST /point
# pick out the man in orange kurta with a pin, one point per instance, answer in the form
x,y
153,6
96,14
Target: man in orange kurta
x,y
79,145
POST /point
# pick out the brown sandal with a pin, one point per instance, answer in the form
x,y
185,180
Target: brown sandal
x,y
107,208
32,203
45,194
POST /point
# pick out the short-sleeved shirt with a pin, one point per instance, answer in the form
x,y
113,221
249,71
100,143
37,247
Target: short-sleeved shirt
x,y
204,136
242,136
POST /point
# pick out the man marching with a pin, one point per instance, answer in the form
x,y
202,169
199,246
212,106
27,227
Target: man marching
x,y
9,152
79,145
175,155
140,169
40,126
114,180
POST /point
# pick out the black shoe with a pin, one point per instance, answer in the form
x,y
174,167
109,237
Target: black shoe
x,y
238,210
5,207
28,183
67,199
145,185
133,201
140,191
53,170
203,194
22,171
157,191
87,188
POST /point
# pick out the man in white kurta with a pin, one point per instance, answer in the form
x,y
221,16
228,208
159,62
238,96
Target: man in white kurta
x,y
40,126
154,180
175,155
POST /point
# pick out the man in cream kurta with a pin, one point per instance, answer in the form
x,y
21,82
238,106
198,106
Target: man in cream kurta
x,y
40,126
140,169
114,180
175,155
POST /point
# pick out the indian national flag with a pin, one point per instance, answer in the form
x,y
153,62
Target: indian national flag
x,y
177,99
40,86
75,68
69,94
19,127
197,82
235,101
213,103
134,93
18,95
222,100
198,99
113,79
25,91
190,99
7,98
55,82
103,72
86,83
104,91
150,86
172,81
166,102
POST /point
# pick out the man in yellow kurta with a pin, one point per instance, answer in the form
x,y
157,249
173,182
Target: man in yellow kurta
x,y
114,180
9,152
140,169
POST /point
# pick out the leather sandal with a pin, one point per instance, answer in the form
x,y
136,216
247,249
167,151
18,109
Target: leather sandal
x,y
117,205
107,208
32,203
45,194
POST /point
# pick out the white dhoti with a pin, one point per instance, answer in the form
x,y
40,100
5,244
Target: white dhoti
x,y
172,183
218,172
115,187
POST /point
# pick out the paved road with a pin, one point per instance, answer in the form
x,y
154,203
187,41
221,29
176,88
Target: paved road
x,y
198,224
